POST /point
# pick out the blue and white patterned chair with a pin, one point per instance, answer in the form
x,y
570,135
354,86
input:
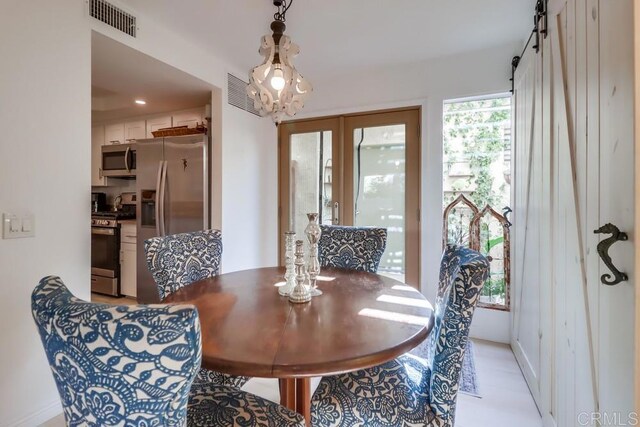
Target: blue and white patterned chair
x,y
118,363
352,248
222,406
133,366
179,260
410,390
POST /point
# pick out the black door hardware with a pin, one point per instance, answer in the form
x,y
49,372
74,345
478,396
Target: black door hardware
x,y
603,251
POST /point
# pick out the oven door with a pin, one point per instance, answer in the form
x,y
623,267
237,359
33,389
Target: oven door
x,y
105,260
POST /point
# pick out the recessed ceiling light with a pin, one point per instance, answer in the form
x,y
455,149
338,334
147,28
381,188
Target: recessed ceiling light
x,y
140,102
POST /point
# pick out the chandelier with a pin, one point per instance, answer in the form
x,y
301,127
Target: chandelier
x,y
276,87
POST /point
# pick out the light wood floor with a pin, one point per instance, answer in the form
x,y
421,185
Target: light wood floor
x,y
505,402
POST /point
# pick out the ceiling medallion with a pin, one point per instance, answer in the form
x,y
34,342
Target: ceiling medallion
x,y
276,87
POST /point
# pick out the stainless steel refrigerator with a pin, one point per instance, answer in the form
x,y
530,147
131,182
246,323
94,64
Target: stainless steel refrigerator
x,y
172,186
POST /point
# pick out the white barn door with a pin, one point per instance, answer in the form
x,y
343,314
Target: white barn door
x,y
525,233
574,173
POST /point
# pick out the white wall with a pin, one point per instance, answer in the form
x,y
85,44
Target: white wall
x,y
45,152
426,84
249,198
45,117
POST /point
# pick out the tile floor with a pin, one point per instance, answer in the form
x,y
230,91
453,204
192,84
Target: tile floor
x,y
505,402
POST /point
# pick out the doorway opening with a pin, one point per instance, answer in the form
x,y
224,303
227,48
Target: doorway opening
x,y
136,98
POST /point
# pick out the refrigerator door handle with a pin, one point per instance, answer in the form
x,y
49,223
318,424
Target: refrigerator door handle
x,y
163,186
157,207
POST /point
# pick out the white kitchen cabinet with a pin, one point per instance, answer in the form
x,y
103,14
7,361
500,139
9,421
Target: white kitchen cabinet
x,y
156,123
188,118
114,134
97,141
135,130
128,259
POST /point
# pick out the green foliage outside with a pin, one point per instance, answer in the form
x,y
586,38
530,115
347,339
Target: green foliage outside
x,y
474,132
495,286
475,140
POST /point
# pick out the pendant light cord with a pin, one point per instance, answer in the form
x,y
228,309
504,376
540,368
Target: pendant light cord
x,y
280,15
358,166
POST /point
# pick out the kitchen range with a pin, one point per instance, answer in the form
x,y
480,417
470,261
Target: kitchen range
x,y
105,241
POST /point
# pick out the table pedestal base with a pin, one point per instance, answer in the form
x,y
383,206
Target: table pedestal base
x,y
295,394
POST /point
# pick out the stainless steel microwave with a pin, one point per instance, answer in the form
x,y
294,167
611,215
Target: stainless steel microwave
x,y
119,160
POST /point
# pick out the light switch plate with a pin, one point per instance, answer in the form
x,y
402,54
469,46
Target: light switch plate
x,y
17,226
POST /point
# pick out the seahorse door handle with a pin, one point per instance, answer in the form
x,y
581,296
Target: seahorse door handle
x,y
603,251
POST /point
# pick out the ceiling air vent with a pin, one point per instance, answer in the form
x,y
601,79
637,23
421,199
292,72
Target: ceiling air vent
x,y
113,16
237,93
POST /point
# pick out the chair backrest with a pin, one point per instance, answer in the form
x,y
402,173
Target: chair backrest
x,y
118,363
463,273
352,248
178,260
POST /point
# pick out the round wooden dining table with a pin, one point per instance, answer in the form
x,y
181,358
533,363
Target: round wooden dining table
x,y
360,320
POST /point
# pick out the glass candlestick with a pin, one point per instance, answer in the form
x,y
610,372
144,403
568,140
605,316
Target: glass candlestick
x,y
290,274
300,293
313,233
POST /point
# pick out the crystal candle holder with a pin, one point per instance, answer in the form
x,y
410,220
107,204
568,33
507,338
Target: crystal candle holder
x,y
300,293
290,274
313,233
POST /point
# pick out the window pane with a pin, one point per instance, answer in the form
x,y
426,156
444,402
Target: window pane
x,y
311,179
379,189
476,164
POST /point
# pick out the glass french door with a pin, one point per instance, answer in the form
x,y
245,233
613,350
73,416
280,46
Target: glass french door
x,y
362,170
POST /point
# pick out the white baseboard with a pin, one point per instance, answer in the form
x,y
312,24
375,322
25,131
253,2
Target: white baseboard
x,y
41,416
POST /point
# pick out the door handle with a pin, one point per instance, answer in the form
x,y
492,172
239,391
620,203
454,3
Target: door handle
x,y
163,187
157,205
336,213
103,231
126,159
603,251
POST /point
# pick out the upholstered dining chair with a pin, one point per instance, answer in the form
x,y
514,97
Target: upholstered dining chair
x,y
410,390
352,248
179,260
135,365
